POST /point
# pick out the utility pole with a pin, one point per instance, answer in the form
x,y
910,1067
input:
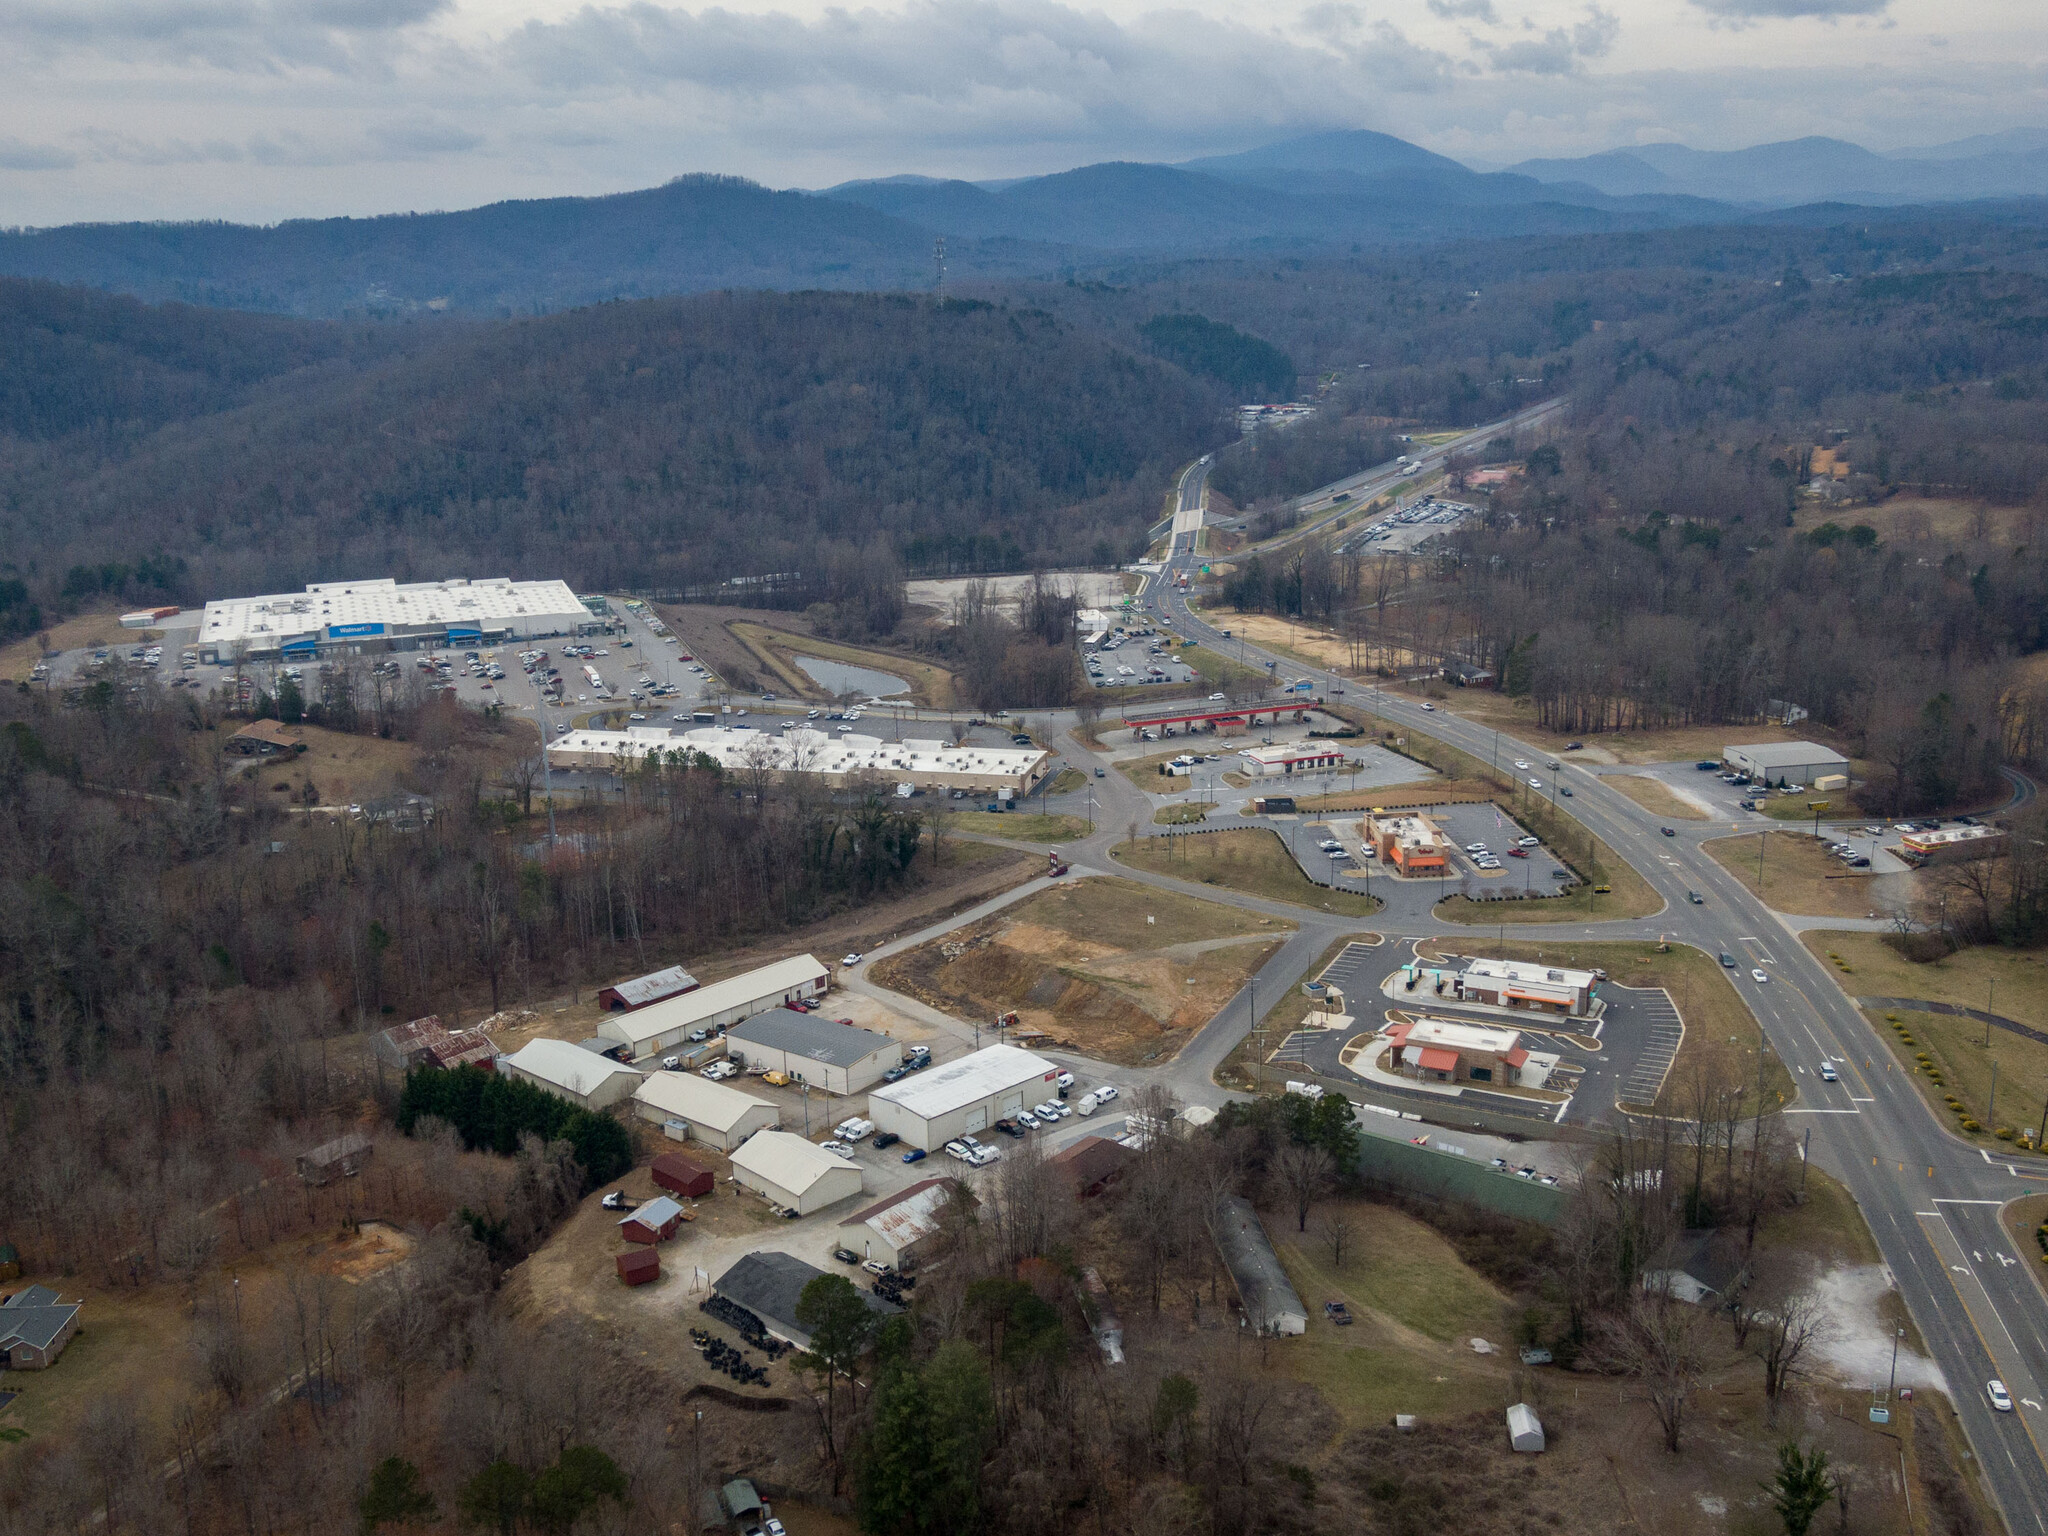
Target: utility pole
x,y
1760,859
1991,1107
939,264
1805,1160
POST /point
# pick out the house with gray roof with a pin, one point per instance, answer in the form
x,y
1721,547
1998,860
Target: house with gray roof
x,y
35,1325
768,1284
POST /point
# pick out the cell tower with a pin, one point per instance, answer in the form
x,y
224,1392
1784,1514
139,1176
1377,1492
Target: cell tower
x,y
939,265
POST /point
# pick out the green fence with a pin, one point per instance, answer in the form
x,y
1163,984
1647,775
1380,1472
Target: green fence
x,y
1446,1176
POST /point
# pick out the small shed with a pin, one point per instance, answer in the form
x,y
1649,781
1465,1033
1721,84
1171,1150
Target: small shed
x,y
654,1222
1525,1430
625,996
639,1265
742,1504
679,1176
341,1158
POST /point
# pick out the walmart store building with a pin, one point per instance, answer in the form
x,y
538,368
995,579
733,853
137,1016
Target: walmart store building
x,y
342,616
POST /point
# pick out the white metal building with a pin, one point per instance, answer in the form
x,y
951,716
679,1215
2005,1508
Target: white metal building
x,y
332,615
840,1058
1293,757
927,764
1526,984
793,1173
581,1076
930,1108
660,1026
716,1115
900,1229
1786,762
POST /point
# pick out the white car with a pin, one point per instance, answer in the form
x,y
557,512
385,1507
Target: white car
x,y
983,1156
718,1071
1475,847
1028,1120
1757,976
836,1148
1828,1073
1064,1080
1430,707
1535,783
1528,842
673,1063
1521,765
851,959
1105,1093
2000,1398
1330,845
1215,698
960,1150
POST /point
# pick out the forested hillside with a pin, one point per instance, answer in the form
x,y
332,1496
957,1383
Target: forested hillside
x,y
654,445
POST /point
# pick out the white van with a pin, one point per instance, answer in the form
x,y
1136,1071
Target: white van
x,y
855,1129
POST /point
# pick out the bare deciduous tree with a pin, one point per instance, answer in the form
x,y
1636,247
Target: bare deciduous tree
x,y
1662,1342
1303,1175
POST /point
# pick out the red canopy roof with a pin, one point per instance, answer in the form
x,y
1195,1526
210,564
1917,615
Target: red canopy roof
x,y
1434,1060
1516,1057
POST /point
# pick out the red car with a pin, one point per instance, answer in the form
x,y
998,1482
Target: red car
x,y
1518,853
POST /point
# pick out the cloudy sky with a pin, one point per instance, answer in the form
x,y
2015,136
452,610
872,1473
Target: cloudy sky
x,y
266,109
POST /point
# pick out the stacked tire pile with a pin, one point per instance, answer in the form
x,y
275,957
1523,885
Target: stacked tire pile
x,y
721,1356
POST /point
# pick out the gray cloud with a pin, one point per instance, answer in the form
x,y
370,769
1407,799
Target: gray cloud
x,y
1776,10
424,136
1465,10
1558,51
17,156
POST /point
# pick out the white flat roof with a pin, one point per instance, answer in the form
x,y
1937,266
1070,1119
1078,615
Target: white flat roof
x,y
567,1066
495,602
1785,754
787,1161
806,750
982,1075
1462,1037
697,1099
1530,973
769,981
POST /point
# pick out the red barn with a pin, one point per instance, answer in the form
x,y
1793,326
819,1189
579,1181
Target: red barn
x,y
654,1222
679,1176
639,1266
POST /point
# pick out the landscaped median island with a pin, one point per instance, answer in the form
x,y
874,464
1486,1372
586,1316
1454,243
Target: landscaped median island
x,y
1248,859
1026,827
1719,1062
1949,1056
1115,970
1800,875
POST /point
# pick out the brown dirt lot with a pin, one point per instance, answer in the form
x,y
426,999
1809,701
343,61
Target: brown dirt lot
x,y
1081,964
1653,796
1800,875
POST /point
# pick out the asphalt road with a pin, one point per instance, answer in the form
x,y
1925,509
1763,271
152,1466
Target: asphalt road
x,y
1930,1199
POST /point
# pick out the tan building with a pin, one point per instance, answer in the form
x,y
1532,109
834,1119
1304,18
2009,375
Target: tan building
x,y
582,1077
1439,1051
714,1114
1527,985
795,1174
1407,844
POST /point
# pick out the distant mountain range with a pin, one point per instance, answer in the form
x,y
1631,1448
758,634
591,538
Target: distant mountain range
x,y
1324,192
2001,165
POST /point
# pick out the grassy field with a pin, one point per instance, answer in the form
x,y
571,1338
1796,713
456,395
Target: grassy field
x,y
775,649
2012,982
1800,875
1248,859
1721,1034
1220,672
1654,796
1024,827
1144,772
1630,897
1417,1305
1066,781
1121,971
1185,814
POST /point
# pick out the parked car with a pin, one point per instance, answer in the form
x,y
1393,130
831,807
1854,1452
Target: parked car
x,y
1337,1313
886,1140
915,1155
851,959
1105,1093
846,1255
1064,1080
874,1267
673,1063
617,1201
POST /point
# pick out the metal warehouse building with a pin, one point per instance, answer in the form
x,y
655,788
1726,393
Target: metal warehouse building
x,y
932,1107
342,615
1788,762
793,1173
768,1284
716,1115
840,1058
583,1077
663,1025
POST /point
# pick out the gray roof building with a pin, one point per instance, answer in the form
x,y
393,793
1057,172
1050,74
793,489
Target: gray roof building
x,y
843,1058
1268,1297
768,1284
35,1325
1785,762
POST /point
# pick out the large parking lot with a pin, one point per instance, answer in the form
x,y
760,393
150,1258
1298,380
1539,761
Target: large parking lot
x,y
1131,660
